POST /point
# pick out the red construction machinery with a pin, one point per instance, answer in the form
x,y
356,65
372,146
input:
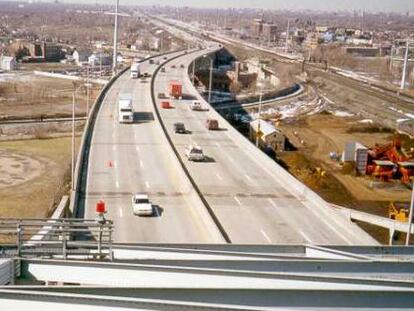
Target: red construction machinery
x,y
390,161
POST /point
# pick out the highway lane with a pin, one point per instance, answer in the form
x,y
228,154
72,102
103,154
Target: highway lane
x,y
130,158
250,199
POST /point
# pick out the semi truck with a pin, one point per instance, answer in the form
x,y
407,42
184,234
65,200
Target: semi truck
x,y
176,89
125,109
135,71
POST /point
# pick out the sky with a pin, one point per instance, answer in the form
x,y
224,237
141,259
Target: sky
x,y
327,5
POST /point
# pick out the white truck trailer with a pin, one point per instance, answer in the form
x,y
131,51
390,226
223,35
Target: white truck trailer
x,y
125,109
135,71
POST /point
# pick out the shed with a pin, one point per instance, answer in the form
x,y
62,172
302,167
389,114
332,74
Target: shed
x,y
271,136
358,153
8,63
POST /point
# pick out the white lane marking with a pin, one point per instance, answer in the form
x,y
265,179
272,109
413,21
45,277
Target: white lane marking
x,y
230,159
248,177
237,200
147,184
305,236
218,144
266,236
219,177
141,164
113,134
114,148
121,214
117,184
137,148
271,202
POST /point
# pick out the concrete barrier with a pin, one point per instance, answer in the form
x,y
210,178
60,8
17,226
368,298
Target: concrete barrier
x,y
67,77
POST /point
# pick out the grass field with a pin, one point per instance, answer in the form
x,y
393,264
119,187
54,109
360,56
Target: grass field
x,y
36,197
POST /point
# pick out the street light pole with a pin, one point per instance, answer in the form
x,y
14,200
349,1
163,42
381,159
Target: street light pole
x,y
72,169
115,56
260,114
210,80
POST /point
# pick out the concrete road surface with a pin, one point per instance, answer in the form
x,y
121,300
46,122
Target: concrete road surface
x,y
248,195
136,158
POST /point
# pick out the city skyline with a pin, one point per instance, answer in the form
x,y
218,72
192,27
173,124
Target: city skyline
x,y
324,5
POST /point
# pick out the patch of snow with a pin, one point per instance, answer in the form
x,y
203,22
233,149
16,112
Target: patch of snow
x,y
342,114
366,121
411,116
402,120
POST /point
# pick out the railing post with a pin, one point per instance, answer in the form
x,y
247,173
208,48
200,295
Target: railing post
x,y
64,244
100,239
111,254
19,238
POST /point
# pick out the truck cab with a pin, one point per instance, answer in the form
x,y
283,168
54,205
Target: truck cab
x,y
125,110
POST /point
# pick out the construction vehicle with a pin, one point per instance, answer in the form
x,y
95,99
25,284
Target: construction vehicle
x,y
399,211
390,161
176,89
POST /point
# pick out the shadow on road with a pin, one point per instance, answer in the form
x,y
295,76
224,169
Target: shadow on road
x,y
143,116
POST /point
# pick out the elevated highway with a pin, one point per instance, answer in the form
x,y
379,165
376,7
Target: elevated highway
x,y
135,158
255,200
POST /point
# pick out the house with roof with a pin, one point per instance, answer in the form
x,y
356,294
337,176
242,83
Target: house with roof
x,y
269,136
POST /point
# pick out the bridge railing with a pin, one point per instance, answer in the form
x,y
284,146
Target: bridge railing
x,y
60,238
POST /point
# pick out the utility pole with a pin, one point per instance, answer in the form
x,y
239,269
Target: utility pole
x,y
259,130
115,59
287,37
210,80
404,73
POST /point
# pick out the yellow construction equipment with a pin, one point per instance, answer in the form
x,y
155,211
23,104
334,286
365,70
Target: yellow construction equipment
x,y
399,211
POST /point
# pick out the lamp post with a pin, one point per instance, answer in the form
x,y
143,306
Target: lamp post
x,y
260,85
115,56
210,80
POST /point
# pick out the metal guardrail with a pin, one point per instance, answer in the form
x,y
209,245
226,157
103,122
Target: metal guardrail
x,y
92,237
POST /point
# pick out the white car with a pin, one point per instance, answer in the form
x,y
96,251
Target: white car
x,y
141,205
196,106
194,153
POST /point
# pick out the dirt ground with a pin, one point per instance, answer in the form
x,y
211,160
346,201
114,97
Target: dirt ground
x,y
34,174
24,95
318,135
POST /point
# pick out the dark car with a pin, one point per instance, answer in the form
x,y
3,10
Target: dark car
x,y
179,128
162,69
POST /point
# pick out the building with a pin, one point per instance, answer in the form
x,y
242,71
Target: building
x,y
269,32
257,27
81,56
271,137
358,154
8,63
36,51
100,59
